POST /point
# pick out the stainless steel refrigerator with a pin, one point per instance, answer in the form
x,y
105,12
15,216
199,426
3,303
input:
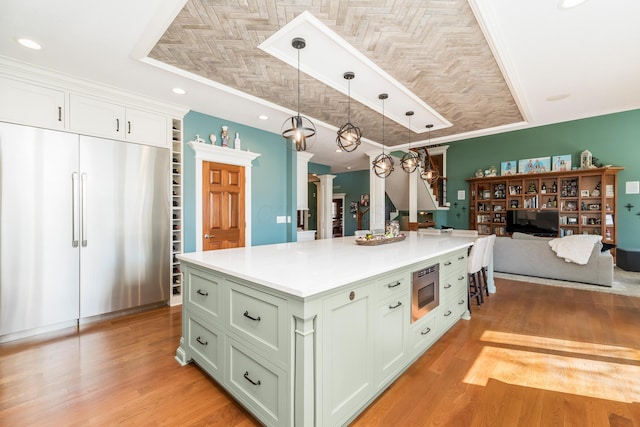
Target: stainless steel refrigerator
x,y
84,227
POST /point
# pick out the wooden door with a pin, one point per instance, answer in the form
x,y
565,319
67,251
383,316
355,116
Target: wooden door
x,y
222,206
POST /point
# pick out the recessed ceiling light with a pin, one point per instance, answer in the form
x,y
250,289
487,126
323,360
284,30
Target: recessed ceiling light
x,y
29,43
263,117
338,150
179,91
348,168
558,97
568,4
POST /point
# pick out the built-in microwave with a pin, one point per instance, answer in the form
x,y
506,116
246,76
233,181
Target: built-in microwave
x,y
425,291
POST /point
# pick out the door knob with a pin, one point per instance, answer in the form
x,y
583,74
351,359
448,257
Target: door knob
x,y
206,236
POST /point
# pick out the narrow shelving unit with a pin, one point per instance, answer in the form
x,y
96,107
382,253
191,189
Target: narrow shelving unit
x,y
176,212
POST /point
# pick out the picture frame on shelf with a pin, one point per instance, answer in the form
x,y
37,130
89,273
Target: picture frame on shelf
x,y
534,165
570,206
572,220
562,163
584,193
508,168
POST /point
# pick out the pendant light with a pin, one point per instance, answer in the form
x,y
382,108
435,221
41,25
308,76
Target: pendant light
x,y
428,173
298,131
383,163
410,160
349,135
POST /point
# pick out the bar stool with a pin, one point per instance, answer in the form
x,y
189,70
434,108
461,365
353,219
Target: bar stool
x,y
464,233
486,260
474,266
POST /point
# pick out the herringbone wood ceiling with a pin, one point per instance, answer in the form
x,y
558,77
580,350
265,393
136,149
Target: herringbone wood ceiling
x,y
435,48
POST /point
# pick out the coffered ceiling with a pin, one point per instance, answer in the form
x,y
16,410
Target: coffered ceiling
x,y
482,66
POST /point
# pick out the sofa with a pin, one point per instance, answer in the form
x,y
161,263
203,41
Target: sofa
x,y
532,256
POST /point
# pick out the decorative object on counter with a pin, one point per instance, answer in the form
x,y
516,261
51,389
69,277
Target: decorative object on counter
x,y
479,173
383,163
508,168
561,163
392,229
298,131
349,135
410,159
237,142
586,160
225,136
378,239
199,140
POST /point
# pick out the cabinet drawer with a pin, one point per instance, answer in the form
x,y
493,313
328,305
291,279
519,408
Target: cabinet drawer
x,y
453,262
452,286
206,344
425,332
392,284
259,318
453,310
204,291
257,383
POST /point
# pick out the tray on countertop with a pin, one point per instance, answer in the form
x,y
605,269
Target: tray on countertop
x,y
377,240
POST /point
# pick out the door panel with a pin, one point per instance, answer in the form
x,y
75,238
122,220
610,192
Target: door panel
x,y
38,261
223,206
125,254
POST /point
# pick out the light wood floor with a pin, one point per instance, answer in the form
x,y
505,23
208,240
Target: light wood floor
x,y
532,355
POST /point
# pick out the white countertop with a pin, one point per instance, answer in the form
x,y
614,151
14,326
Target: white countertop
x,y
304,269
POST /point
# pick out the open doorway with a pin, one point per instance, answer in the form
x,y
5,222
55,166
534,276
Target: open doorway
x,y
337,215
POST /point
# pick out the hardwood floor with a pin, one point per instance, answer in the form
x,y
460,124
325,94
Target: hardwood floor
x,y
531,355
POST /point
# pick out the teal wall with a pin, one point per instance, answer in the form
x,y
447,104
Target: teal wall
x,y
318,169
614,139
353,184
272,186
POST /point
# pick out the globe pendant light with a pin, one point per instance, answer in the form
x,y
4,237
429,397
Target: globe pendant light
x,y
298,131
410,160
349,135
383,163
428,173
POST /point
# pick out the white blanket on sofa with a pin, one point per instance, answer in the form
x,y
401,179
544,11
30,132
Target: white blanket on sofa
x,y
576,248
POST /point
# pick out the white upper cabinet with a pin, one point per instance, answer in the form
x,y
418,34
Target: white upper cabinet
x,y
96,117
31,104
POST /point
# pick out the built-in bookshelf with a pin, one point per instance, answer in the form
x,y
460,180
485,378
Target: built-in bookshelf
x,y
177,236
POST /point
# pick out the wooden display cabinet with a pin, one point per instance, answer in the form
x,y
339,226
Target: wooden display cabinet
x,y
585,200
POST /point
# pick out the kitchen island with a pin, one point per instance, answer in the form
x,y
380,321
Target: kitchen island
x,y
309,333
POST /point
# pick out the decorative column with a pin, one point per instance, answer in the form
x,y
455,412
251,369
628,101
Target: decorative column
x,y
302,180
325,199
376,196
413,200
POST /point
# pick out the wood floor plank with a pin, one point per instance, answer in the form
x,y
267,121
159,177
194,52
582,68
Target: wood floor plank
x,y
532,355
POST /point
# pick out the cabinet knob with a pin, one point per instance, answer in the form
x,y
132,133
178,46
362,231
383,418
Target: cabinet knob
x,y
352,295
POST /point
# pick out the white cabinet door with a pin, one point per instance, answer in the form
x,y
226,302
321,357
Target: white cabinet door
x,y
392,321
30,104
347,348
146,127
90,116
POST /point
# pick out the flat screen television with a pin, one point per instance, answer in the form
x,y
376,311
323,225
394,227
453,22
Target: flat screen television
x,y
539,223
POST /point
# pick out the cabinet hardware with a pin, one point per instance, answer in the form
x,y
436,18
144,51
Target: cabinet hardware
x,y
395,285
202,342
448,263
129,125
425,332
59,114
447,286
247,315
448,313
246,377
75,210
393,307
352,295
204,294
461,257
117,125
461,278
461,302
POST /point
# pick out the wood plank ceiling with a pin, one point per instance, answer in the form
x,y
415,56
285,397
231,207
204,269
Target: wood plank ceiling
x,y
434,47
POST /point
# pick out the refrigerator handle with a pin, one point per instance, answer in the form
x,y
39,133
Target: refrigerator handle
x,y
74,210
83,215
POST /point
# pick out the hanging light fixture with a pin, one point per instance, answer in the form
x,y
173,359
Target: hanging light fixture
x,y
410,160
428,173
349,135
298,130
383,163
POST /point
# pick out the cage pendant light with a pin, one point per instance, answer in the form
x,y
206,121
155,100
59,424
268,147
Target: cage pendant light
x,y
349,135
298,131
383,163
429,173
410,160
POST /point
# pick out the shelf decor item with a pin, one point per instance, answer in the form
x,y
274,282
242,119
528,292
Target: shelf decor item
x,y
534,165
562,163
508,168
586,160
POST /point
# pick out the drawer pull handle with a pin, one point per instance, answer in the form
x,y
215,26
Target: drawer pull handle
x,y
448,313
247,315
204,294
461,257
59,114
202,342
395,285
447,263
246,377
447,286
461,278
425,332
461,302
393,307
117,125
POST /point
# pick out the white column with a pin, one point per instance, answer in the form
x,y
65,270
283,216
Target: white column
x,y
413,196
376,196
325,199
302,180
